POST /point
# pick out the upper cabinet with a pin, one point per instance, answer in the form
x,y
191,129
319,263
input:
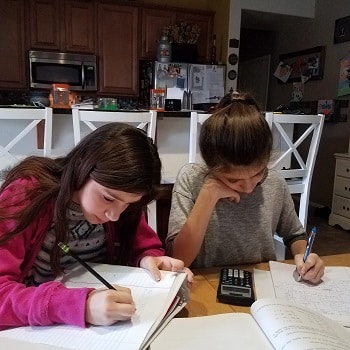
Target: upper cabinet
x,y
153,21
63,25
205,23
12,43
80,26
44,23
118,58
119,33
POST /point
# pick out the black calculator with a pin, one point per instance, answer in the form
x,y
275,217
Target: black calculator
x,y
236,287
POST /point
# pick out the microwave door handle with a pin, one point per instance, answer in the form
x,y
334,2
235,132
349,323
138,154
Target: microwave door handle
x,y
83,76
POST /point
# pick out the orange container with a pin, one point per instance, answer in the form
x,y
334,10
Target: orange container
x,y
157,99
60,95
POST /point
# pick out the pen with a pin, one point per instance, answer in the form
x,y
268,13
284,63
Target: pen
x,y
67,250
310,242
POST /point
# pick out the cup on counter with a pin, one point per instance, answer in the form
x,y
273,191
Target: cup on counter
x,y
157,99
107,104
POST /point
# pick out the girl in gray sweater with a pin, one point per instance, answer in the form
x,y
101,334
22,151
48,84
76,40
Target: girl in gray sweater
x,y
226,211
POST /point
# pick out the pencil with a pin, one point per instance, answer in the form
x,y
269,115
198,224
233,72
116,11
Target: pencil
x,y
67,250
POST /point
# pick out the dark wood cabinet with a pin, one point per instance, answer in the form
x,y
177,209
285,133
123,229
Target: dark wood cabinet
x,y
80,26
64,25
12,45
119,33
118,58
153,21
44,26
205,23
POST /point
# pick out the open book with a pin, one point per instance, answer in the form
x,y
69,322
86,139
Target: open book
x,y
156,303
329,298
273,324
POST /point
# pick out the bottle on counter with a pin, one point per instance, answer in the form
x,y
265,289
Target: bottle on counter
x,y
189,100
184,100
213,51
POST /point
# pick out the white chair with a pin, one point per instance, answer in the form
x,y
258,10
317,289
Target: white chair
x,y
16,124
295,157
142,120
299,177
196,118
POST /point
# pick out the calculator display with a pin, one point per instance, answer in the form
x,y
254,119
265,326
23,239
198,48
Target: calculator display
x,y
239,290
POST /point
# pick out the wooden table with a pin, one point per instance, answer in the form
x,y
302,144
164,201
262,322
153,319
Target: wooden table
x,y
203,292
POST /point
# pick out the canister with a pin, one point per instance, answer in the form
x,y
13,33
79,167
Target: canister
x,y
157,99
60,95
164,49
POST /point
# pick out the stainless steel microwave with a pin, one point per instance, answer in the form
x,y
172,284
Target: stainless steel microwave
x,y
46,68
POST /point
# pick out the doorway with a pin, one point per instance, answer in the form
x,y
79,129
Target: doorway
x,y
254,76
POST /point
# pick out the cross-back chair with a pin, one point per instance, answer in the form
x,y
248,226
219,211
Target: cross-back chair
x,y
17,124
295,165
92,119
294,156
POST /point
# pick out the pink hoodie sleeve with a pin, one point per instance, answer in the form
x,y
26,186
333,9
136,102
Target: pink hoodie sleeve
x,y
46,304
146,243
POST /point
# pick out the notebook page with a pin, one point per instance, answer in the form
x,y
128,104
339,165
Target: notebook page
x,y
151,299
291,327
330,297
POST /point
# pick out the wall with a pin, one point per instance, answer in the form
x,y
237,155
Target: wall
x,y
335,137
302,8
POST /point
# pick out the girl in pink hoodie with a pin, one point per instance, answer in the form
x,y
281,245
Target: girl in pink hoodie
x,y
93,200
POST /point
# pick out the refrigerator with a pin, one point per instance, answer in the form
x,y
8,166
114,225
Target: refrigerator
x,y
199,86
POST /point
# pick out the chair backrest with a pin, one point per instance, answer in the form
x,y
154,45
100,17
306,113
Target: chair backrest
x,y
297,150
196,119
295,165
142,120
16,124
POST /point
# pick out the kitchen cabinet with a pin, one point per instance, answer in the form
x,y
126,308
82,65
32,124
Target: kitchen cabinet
x,y
341,192
44,22
153,21
80,26
12,43
118,56
205,23
63,25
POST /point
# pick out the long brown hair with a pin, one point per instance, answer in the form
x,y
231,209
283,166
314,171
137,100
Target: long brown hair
x,y
236,134
116,155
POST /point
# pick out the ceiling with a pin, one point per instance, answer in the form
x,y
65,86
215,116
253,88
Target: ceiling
x,y
268,21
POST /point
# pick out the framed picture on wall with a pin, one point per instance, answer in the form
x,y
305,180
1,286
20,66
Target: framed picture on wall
x,y
342,30
344,76
305,64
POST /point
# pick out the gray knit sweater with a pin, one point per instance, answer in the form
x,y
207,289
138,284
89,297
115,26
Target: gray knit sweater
x,y
237,233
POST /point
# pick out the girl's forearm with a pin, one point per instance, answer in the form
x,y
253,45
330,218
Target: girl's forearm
x,y
188,242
